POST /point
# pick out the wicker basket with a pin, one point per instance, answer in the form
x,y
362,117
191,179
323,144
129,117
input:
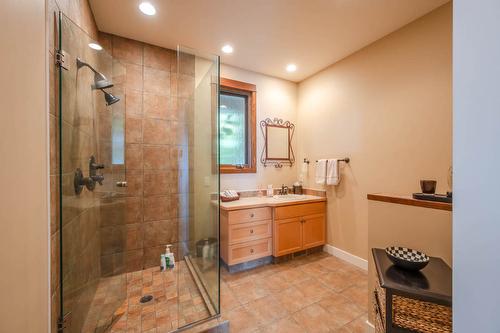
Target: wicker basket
x,y
379,326
415,315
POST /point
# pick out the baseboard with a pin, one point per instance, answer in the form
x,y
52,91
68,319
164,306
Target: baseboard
x,y
369,327
346,256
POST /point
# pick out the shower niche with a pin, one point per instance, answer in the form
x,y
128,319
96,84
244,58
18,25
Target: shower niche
x,y
129,136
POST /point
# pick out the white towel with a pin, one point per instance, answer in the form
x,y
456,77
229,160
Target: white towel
x,y
332,172
321,171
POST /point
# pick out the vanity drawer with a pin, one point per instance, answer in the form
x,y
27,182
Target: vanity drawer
x,y
244,232
249,215
249,251
299,210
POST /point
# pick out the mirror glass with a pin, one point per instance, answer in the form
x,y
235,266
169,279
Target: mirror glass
x,y
278,140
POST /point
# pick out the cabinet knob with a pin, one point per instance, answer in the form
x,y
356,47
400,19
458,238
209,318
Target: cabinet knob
x,y
251,250
251,231
252,215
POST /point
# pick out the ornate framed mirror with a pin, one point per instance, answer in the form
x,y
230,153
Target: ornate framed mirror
x,y
277,149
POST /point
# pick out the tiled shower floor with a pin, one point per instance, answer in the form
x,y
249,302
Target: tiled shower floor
x,y
176,302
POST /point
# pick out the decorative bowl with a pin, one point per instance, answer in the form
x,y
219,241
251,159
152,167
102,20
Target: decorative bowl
x,y
406,258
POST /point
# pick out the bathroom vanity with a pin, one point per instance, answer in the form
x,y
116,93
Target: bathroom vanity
x,y
262,227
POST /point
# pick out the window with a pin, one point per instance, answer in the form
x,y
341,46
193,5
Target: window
x,y
237,127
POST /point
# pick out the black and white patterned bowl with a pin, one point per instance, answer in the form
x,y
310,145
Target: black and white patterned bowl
x,y
407,258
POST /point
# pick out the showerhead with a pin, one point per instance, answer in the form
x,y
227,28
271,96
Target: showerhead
x,y
110,98
100,81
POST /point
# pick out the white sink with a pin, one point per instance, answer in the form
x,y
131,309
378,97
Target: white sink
x,y
290,197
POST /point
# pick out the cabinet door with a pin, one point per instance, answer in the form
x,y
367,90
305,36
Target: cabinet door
x,y
313,230
287,236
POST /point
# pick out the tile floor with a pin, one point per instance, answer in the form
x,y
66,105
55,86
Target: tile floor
x,y
315,293
177,301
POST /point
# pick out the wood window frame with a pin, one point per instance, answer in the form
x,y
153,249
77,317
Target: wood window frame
x,y
249,90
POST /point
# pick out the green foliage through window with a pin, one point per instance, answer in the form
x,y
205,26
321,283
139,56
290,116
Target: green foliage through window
x,y
233,128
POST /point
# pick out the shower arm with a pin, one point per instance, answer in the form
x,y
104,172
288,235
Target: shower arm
x,y
80,63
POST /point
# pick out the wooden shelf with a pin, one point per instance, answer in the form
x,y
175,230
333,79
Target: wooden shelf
x,y
408,200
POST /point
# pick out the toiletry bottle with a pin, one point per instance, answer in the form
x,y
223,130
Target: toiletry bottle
x,y
170,256
206,249
270,191
163,264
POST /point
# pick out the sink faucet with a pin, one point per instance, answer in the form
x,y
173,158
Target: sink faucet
x,y
284,190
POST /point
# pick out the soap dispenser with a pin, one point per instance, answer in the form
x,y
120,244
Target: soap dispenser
x,y
169,256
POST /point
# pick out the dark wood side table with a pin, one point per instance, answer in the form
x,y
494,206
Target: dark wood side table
x,y
406,301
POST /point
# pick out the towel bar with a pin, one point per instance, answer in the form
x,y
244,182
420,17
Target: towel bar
x,y
346,159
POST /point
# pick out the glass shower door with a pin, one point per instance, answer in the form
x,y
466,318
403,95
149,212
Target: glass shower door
x,y
92,183
198,99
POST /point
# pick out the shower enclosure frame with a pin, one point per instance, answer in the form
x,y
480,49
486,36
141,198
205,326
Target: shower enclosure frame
x,y
62,64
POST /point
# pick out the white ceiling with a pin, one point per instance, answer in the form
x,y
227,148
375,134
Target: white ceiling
x,y
266,34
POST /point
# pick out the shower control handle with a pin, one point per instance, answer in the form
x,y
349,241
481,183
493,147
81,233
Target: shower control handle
x,y
97,178
96,166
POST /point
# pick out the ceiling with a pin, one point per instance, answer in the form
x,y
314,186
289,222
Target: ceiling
x,y
266,34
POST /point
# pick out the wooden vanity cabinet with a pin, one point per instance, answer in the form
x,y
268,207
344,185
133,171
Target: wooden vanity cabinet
x,y
298,227
246,234
253,233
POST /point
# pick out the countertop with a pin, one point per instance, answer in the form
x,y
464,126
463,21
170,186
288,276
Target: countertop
x,y
410,201
255,202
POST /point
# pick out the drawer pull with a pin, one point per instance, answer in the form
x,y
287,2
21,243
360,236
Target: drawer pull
x,y
251,250
251,231
252,215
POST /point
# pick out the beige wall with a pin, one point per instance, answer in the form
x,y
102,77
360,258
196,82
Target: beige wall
x,y
276,98
24,226
388,108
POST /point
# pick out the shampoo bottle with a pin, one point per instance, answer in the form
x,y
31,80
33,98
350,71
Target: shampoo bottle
x,y
170,256
163,264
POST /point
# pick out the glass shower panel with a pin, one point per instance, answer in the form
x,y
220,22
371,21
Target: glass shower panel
x,y
92,171
198,100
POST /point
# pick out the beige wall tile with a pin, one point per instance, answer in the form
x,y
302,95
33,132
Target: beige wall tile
x,y
127,50
157,131
133,156
156,106
133,130
157,157
157,81
133,77
133,103
158,182
157,208
158,57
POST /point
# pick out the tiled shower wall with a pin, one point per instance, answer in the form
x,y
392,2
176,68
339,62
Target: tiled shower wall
x,y
156,202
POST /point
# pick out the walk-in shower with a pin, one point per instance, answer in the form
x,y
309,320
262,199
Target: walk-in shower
x,y
138,170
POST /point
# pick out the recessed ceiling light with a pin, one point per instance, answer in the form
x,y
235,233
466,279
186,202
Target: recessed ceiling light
x,y
227,49
95,46
147,8
291,68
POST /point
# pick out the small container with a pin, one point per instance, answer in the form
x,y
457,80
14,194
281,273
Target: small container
x,y
270,191
297,188
428,186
